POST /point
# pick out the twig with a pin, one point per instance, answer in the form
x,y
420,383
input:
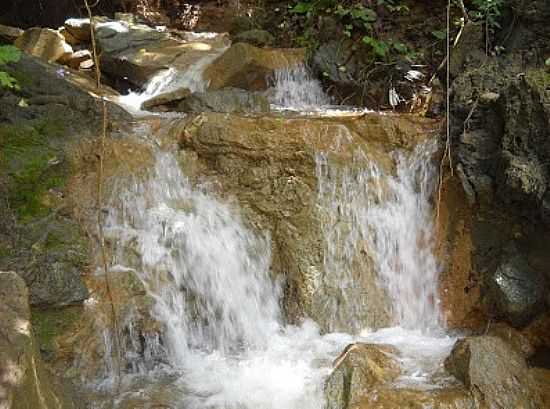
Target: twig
x,y
117,344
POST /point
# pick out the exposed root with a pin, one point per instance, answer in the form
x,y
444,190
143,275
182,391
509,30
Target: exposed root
x,y
117,345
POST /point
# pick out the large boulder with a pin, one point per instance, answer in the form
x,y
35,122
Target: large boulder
x,y
225,100
516,292
167,101
248,67
495,373
270,164
24,383
44,43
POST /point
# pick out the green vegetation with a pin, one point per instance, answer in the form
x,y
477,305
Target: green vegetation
x,y
8,53
359,22
32,165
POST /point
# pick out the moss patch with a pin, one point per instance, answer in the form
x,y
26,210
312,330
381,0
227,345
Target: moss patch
x,y
50,323
32,164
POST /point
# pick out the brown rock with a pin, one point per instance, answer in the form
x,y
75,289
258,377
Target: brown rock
x,y
542,378
512,337
79,29
10,34
44,43
245,66
494,372
69,38
77,59
359,369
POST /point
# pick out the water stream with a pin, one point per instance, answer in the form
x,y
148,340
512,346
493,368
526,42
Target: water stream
x,y
225,342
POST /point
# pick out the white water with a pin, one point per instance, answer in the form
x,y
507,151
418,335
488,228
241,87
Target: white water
x,y
389,215
169,80
209,276
296,90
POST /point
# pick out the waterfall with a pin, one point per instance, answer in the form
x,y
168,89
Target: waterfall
x,y
209,277
388,216
295,89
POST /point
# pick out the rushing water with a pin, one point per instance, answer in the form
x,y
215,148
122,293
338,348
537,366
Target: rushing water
x,y
224,340
390,214
295,89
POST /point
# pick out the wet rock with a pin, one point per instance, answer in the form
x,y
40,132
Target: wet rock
x,y
167,101
495,373
24,383
259,38
9,34
225,100
248,67
357,371
44,43
269,165
516,292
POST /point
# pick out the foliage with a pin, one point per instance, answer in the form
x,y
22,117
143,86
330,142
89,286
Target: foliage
x,y
8,53
358,22
489,11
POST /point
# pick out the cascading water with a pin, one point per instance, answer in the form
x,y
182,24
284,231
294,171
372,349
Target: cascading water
x,y
390,215
295,89
209,277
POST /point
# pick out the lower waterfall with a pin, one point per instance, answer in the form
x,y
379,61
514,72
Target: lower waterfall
x,y
224,341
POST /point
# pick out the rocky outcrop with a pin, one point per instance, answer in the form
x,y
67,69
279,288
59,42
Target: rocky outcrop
x,y
496,375
39,237
167,101
258,38
248,67
499,128
269,165
24,383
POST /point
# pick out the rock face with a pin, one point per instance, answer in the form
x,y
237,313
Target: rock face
x,y
24,383
500,136
496,375
269,165
248,67
39,238
44,43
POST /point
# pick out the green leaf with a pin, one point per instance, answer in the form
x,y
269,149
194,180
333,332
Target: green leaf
x,y
440,34
380,48
7,81
400,47
302,8
9,53
365,14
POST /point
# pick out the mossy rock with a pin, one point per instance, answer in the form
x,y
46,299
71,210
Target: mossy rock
x,y
50,323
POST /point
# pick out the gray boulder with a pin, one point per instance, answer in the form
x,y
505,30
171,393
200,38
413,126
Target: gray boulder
x,y
496,374
225,100
516,292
